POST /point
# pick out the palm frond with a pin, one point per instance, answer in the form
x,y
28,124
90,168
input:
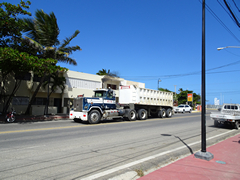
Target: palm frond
x,y
67,60
68,40
30,29
69,49
33,44
47,28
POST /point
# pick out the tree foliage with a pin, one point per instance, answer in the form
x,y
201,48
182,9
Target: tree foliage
x,y
10,25
11,62
165,90
17,64
182,97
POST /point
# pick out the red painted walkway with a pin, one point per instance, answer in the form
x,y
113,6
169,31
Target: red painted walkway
x,y
227,152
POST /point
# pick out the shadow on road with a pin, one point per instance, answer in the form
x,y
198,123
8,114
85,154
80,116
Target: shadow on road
x,y
180,140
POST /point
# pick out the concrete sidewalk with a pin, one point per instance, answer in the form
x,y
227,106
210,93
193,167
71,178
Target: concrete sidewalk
x,y
32,118
224,166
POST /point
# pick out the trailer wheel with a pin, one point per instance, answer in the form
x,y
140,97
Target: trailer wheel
x,y
162,113
94,117
142,114
169,113
237,125
132,115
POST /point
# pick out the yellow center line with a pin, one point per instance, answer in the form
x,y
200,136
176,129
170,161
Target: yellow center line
x,y
41,129
67,127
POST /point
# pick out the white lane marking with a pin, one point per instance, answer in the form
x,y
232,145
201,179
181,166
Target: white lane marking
x,y
98,175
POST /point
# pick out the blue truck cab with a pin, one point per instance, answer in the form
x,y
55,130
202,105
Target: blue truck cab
x,y
92,109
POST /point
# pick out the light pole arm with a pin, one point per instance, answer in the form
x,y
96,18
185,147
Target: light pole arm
x,y
220,48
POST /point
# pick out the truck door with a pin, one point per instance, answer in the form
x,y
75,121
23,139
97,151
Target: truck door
x,y
109,100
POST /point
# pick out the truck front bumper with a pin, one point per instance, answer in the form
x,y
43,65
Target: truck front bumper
x,y
79,115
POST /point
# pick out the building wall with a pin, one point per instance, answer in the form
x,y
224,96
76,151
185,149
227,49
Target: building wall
x,y
77,83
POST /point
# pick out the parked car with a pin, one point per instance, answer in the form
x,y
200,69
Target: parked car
x,y
183,108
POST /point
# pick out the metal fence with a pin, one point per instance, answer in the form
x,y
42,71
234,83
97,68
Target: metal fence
x,y
209,106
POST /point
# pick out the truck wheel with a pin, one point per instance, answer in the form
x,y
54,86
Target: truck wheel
x,y
142,114
132,115
237,125
169,113
94,117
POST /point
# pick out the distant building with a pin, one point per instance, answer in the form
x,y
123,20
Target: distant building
x,y
216,101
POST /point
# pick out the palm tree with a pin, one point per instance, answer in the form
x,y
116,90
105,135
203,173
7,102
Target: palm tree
x,y
42,34
56,82
105,72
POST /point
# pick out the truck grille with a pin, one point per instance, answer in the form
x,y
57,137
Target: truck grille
x,y
78,104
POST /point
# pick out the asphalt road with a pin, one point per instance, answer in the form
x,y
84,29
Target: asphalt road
x,y
64,149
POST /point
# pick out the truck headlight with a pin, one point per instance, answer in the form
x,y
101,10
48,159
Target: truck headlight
x,y
86,107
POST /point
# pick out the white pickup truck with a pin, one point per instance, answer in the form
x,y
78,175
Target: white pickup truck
x,y
229,114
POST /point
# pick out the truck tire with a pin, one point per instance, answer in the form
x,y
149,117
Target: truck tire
x,y
169,113
237,125
132,115
162,113
142,114
94,117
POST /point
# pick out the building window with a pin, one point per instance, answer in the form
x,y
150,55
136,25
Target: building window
x,y
17,100
40,101
84,84
112,86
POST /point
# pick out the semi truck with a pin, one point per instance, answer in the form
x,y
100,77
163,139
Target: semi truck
x,y
134,103
229,115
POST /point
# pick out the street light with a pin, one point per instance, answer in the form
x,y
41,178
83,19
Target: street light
x,y
220,48
203,154
159,80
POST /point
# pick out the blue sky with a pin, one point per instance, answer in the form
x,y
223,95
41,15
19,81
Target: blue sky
x,y
147,40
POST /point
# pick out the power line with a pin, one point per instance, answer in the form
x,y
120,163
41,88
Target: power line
x,y
225,9
220,21
236,5
232,13
187,74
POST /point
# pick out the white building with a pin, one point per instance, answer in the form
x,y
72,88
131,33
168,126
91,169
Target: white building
x,y
77,83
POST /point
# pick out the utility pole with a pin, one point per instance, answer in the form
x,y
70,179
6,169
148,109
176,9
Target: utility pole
x,y
175,91
159,80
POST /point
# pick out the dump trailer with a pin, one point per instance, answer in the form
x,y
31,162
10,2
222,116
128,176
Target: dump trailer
x,y
134,103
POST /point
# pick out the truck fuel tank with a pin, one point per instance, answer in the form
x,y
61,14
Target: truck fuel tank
x,y
115,112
